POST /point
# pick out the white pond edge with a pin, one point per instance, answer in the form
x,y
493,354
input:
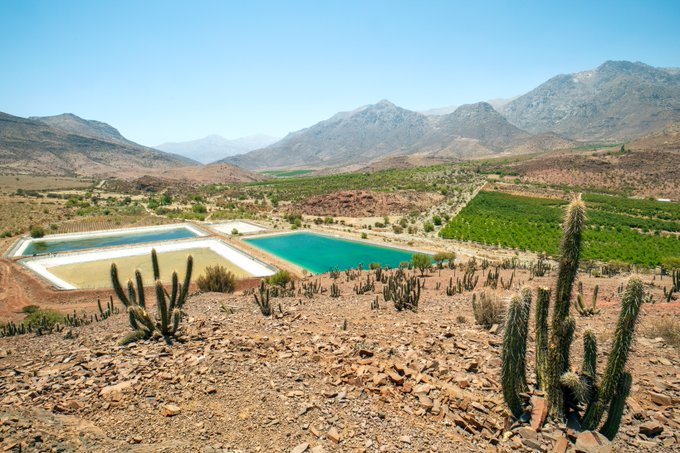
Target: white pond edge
x,y
241,259
21,246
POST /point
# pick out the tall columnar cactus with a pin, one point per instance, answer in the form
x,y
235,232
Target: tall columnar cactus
x,y
168,304
562,325
566,388
615,413
616,363
514,351
542,305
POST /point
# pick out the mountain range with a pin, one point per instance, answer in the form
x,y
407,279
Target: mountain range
x,y
215,147
617,102
69,145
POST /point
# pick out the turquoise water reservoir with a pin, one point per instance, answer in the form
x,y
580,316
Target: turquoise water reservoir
x,y
319,254
96,241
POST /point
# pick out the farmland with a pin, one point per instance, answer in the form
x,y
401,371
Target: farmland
x,y
640,232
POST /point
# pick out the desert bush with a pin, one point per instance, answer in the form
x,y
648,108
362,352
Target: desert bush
x,y
428,227
37,231
45,318
440,257
488,309
364,236
217,279
667,328
281,278
28,309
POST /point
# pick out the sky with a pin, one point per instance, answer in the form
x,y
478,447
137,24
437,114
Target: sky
x,y
164,71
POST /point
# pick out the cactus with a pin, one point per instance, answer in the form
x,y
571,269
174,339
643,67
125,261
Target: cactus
x,y
623,338
559,344
580,305
542,305
566,389
615,413
335,291
168,304
263,301
403,291
513,376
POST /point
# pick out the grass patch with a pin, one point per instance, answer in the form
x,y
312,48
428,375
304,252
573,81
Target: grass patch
x,y
667,328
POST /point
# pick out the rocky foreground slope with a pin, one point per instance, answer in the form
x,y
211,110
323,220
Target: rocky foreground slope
x,y
323,374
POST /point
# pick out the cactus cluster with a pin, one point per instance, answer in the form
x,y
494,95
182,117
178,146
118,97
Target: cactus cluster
x,y
363,288
168,304
581,307
263,301
403,291
540,268
568,391
335,291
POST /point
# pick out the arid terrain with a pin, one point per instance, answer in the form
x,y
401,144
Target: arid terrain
x,y
323,374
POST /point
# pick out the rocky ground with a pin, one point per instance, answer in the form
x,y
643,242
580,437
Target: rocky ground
x,y
324,374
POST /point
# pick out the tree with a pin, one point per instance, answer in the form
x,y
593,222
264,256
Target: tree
x,y
422,262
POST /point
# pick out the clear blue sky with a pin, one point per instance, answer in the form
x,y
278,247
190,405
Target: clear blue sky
x,y
179,70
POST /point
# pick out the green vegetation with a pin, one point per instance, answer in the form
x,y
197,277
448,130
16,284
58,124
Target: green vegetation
x,y
286,173
217,279
567,390
445,179
281,278
37,232
632,231
422,262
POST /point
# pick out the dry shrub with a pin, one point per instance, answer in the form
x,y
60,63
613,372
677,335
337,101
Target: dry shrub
x,y
488,309
216,279
667,328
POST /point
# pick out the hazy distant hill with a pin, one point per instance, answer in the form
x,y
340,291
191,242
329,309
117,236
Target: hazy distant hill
x,y
67,144
215,147
377,131
617,101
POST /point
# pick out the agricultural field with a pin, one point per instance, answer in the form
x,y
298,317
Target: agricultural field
x,y
445,179
640,232
287,173
12,183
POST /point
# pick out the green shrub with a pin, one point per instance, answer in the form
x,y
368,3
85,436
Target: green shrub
x,y
374,265
428,227
670,262
44,318
364,236
217,279
281,278
437,220
28,309
398,229
234,232
37,231
199,209
440,257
